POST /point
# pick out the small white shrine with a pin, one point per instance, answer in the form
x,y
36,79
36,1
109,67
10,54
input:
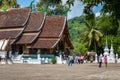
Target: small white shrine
x,y
110,53
112,58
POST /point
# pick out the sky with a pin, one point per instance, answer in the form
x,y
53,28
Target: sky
x,y
76,10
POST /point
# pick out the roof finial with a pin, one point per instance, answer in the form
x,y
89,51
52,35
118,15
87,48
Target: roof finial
x,y
34,8
111,44
106,44
31,4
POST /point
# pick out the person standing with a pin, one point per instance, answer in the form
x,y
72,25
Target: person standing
x,y
105,61
70,59
100,61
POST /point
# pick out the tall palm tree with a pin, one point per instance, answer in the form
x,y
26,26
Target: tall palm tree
x,y
91,34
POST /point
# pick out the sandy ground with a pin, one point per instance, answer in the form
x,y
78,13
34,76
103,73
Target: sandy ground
x,y
59,72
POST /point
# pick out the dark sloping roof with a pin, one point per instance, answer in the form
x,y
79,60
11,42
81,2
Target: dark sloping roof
x,y
32,28
45,43
27,39
67,40
14,17
53,26
34,25
35,22
51,32
9,34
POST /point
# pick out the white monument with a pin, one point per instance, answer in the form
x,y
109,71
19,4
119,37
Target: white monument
x,y
110,55
112,52
106,49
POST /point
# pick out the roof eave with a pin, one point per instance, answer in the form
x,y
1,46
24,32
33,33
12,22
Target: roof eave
x,y
63,27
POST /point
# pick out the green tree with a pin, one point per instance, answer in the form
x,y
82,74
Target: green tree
x,y
108,28
75,29
68,2
92,33
106,25
6,4
52,8
109,6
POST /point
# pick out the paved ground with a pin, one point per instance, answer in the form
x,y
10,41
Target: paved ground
x,y
59,72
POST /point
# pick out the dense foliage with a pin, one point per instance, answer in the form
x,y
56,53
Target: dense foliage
x,y
52,8
6,4
103,24
109,6
76,29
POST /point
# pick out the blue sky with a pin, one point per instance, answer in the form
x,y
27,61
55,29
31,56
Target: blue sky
x,y
76,10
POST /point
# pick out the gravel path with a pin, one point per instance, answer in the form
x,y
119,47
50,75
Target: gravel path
x,y
59,72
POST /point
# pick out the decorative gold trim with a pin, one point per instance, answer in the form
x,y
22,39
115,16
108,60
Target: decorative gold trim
x,y
15,29
63,26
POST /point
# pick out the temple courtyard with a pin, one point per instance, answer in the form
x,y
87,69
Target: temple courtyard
x,y
59,72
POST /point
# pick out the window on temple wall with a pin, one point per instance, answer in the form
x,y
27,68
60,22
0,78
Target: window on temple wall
x,y
33,51
45,51
61,45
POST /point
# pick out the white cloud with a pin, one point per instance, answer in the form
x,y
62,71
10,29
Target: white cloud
x,y
107,13
21,7
64,1
76,10
97,14
69,15
37,0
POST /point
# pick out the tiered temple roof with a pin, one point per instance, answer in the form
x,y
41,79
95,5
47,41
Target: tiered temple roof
x,y
14,18
33,28
12,23
51,32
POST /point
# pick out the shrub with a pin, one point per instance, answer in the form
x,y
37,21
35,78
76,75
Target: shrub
x,y
53,60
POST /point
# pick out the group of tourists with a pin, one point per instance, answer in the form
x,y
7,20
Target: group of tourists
x,y
75,60
80,59
65,54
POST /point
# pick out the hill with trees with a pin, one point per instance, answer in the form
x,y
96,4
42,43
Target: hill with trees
x,y
78,31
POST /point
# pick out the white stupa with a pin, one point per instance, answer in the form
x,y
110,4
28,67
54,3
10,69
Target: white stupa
x,y
106,49
112,52
110,55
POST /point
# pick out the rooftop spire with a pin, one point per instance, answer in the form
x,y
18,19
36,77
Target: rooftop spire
x,y
34,8
111,45
31,4
106,44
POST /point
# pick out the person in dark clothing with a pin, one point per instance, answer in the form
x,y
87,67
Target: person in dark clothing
x,y
67,53
100,61
0,58
70,60
55,53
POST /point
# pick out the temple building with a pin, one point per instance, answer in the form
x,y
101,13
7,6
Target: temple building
x,y
29,31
